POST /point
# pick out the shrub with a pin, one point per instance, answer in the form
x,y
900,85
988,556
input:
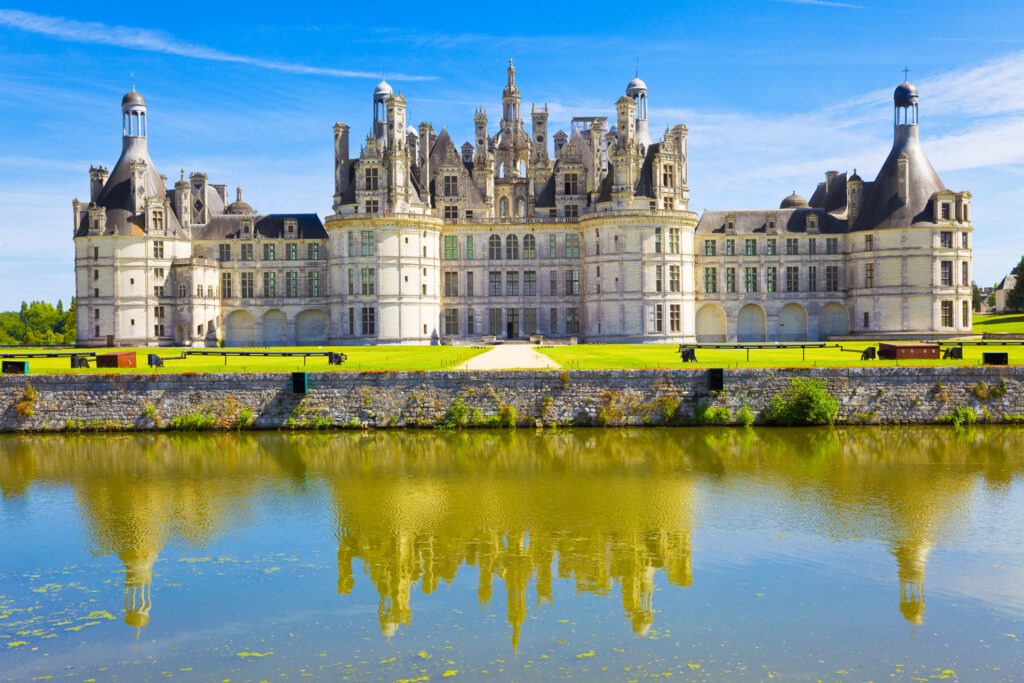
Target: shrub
x,y
805,402
668,405
458,414
960,417
193,422
507,416
708,413
745,417
26,407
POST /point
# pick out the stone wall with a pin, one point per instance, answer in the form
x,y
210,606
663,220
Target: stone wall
x,y
871,395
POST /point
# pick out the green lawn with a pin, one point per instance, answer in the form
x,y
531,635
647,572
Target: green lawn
x,y
410,358
639,356
1007,322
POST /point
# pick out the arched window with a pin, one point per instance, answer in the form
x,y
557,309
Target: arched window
x,y
520,207
529,247
503,207
182,291
199,291
512,248
209,291
494,248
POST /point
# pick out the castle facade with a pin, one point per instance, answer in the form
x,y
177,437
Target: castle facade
x,y
587,234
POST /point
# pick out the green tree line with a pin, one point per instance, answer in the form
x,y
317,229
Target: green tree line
x,y
38,324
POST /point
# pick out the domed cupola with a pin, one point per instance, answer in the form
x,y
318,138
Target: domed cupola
x,y
382,91
794,201
904,100
636,88
239,207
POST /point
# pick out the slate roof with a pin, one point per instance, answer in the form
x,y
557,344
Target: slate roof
x,y
229,226
755,222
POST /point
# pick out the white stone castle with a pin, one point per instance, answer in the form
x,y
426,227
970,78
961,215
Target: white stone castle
x,y
585,235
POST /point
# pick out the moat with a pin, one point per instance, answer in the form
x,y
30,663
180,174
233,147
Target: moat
x,y
844,554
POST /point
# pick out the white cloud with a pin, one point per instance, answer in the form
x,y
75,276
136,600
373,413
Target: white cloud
x,y
158,41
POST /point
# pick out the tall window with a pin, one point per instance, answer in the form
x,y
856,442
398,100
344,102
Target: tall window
x,y
831,245
772,249
225,285
469,247
351,281
512,283
946,273
673,240
730,247
674,318
831,278
494,283
372,176
291,251
223,252
673,278
947,314
494,248
552,246
269,251
529,247
451,247
812,278
572,246
158,249
494,322
553,284
470,322
313,251
657,240
869,242
367,245
451,283
553,320
530,283
469,283
451,186
710,280
965,279
572,183
512,248
247,285
750,279
451,213
269,284
291,284
659,318
792,246
771,279
750,247
369,320
572,282
659,276
451,321
367,281
572,320
668,175
812,246
792,279
313,283
710,247
869,274
730,280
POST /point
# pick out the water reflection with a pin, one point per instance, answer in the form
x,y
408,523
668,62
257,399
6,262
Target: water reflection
x,y
604,509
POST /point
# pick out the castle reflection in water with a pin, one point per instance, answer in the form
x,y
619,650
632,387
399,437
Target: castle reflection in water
x,y
600,508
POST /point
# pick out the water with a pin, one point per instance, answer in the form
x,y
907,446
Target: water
x,y
847,554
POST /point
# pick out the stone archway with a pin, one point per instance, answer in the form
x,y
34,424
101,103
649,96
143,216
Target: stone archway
x,y
275,328
833,320
239,329
750,324
311,328
711,324
792,324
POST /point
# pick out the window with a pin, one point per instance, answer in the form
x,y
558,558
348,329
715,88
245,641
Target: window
x,y
946,273
554,320
869,242
494,283
657,240
451,283
750,247
572,321
225,285
351,281
667,203
673,278
96,252
494,248
965,280
668,174
182,291
812,246
95,275
750,279
674,318
947,314
673,240
552,246
867,319
451,186
709,247
572,283
529,247
553,284
658,318
469,283
351,243
469,214
367,281
946,239
944,210
831,245
246,252
965,314
710,280
291,284
792,279
772,247
572,246
530,283
831,278
291,251
451,247
658,278
771,279
730,247
512,283
812,278
572,211
351,321
792,246
158,291
313,251
158,249
269,284
470,322
247,285
730,280
512,248
503,207
313,283
199,291
451,213
869,275
367,245
571,184
494,322
158,312
529,321
451,321
469,247
963,236
269,251
223,252
368,319
372,179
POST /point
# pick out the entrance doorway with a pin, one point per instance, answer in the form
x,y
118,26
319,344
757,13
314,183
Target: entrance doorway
x,y
511,323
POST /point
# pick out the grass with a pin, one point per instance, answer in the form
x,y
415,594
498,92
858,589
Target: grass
x,y
360,358
644,356
1007,322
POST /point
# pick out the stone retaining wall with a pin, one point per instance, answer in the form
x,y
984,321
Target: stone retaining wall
x,y
870,395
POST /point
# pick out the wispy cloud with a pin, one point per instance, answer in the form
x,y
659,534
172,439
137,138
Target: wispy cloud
x,y
823,3
157,41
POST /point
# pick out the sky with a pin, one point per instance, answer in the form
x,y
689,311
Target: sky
x,y
774,93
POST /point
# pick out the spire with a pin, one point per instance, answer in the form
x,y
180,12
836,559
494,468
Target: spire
x,y
511,74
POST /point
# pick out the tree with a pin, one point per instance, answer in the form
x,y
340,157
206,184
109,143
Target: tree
x,y
975,297
1015,297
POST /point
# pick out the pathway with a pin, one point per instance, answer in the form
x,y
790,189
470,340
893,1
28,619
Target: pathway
x,y
509,357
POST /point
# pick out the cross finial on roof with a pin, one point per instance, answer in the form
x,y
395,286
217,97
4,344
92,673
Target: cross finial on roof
x,y
637,72
132,74
906,71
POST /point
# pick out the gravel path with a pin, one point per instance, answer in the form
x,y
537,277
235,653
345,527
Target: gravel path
x,y
509,357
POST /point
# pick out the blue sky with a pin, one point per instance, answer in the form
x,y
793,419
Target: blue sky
x,y
774,92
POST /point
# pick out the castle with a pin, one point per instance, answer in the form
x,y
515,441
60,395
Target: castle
x,y
586,235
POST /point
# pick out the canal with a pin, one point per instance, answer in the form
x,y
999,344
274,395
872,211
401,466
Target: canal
x,y
699,554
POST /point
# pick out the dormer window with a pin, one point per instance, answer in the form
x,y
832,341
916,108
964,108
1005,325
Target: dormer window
x,y
291,227
944,209
247,229
812,223
158,220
